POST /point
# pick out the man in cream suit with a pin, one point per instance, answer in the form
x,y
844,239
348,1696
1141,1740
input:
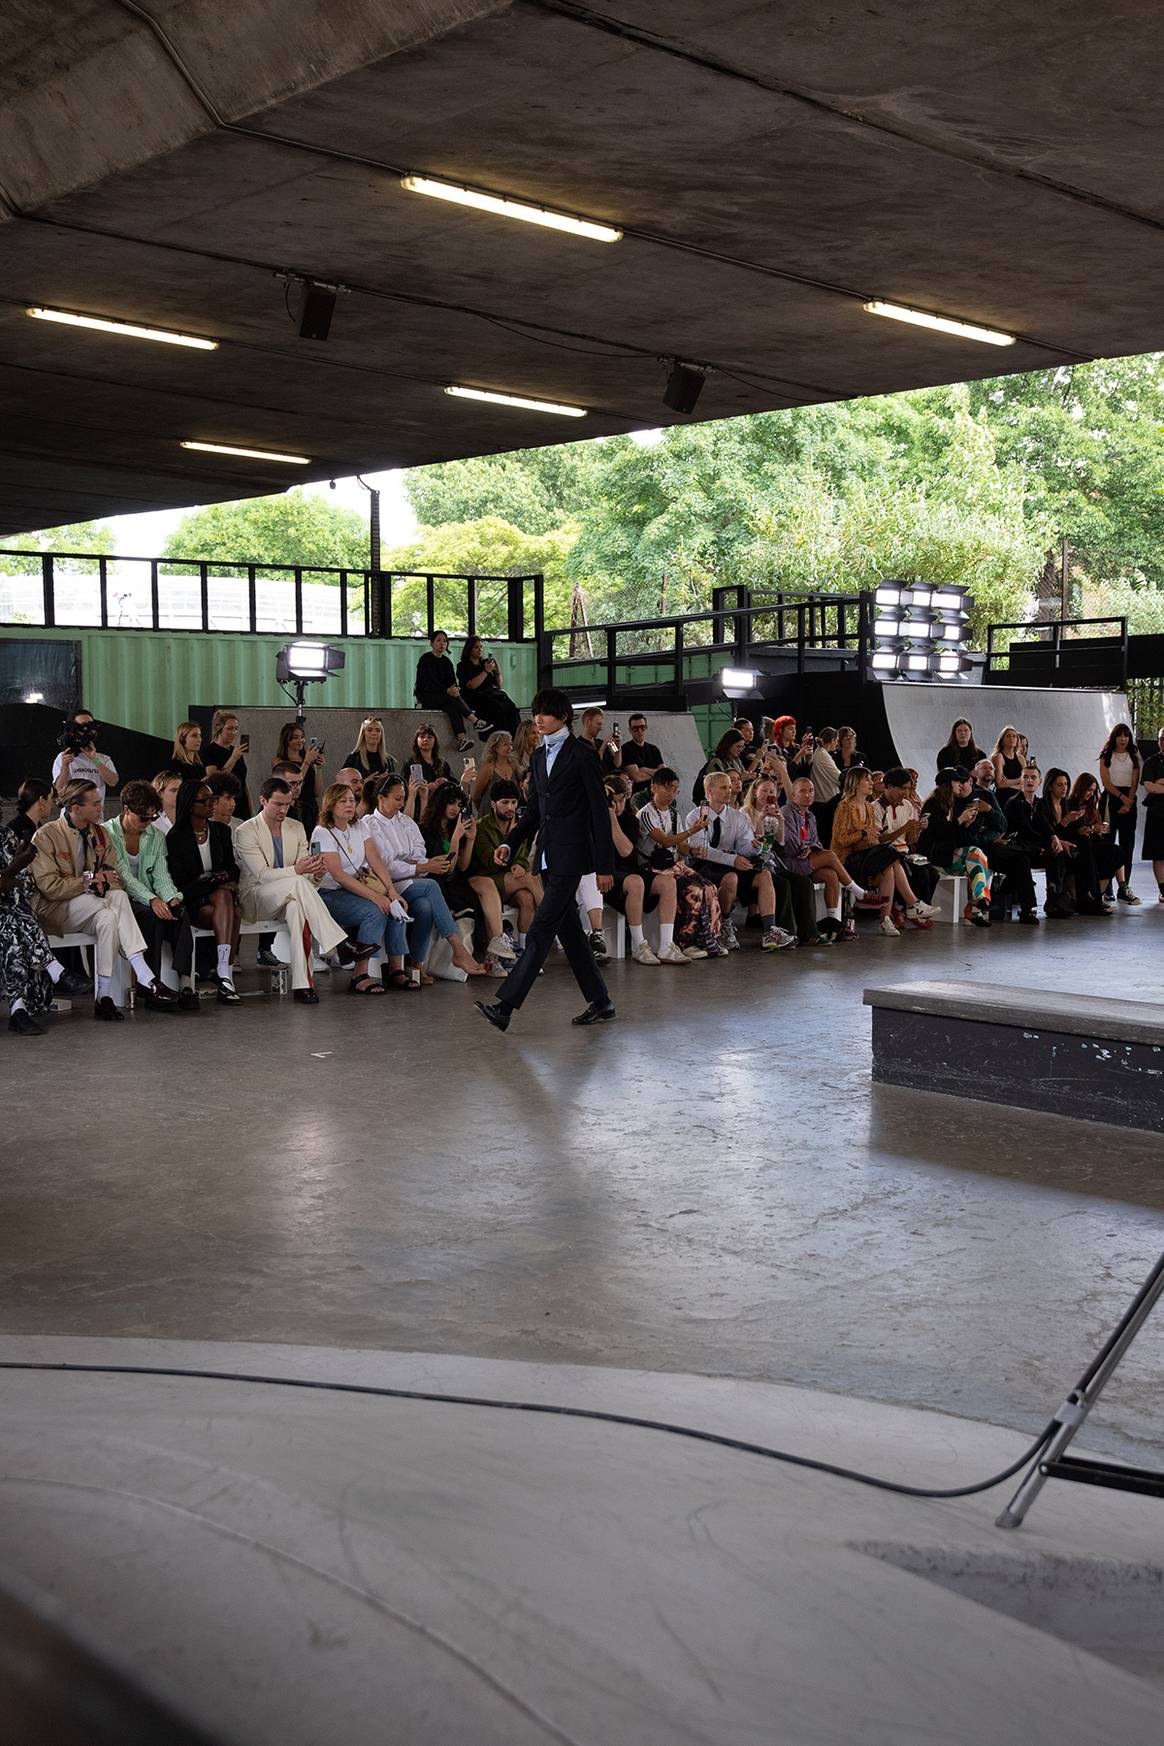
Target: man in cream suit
x,y
278,884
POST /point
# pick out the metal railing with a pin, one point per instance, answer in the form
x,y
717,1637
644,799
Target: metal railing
x,y
1067,648
67,591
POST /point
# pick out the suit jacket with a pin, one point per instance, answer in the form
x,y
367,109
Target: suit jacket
x,y
255,848
185,860
54,872
569,812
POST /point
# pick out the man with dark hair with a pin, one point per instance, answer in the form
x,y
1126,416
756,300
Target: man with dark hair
x,y
436,688
278,884
640,759
567,808
85,763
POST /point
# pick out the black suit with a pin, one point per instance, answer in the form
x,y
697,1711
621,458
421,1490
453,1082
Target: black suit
x,y
569,812
185,861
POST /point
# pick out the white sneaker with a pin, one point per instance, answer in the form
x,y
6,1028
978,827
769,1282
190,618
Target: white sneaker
x,y
672,955
644,955
888,928
494,967
925,911
691,953
502,947
729,939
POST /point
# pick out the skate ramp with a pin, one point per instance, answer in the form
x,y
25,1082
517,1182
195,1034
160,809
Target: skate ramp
x,y
1066,728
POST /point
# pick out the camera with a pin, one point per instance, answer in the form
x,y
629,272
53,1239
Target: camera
x,y
76,735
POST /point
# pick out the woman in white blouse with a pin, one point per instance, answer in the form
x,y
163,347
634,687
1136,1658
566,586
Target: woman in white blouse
x,y
398,839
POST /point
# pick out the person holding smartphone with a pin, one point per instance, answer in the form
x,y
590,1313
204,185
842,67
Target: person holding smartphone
x,y
226,753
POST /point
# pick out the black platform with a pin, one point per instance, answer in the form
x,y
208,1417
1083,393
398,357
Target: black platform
x,y
1068,1054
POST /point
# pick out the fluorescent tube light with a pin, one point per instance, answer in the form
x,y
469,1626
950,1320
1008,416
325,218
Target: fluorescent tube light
x,y
248,454
989,336
517,400
495,203
129,329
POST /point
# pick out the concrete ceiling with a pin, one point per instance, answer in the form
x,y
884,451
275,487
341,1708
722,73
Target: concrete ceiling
x,y
773,165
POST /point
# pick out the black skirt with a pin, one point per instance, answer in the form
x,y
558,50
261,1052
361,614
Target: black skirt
x,y
867,864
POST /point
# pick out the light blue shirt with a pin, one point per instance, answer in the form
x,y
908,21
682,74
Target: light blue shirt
x,y
553,744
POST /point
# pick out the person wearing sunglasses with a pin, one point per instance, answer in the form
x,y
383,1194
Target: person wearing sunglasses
x,y
139,850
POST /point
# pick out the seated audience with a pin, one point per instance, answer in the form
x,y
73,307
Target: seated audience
x,y
878,864
30,973
166,784
370,754
449,835
1030,828
825,772
1007,762
77,891
846,754
636,891
498,763
424,769
202,865
727,756
609,751
513,883
1010,866
86,763
1152,785
226,753
662,848
796,750
413,873
960,751
34,807
479,680
352,779
897,817
1119,771
186,756
1082,823
640,759
750,755
950,816
306,760
436,688
722,850
225,793
795,894
144,871
805,855
356,890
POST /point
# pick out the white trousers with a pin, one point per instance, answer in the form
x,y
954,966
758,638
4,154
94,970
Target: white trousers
x,y
589,897
110,920
294,900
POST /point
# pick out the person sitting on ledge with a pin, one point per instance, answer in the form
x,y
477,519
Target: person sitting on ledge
x,y
878,864
629,894
479,679
960,752
78,891
28,968
436,688
278,884
370,754
357,891
722,850
167,784
950,816
186,755
144,871
203,867
513,883
412,872
806,856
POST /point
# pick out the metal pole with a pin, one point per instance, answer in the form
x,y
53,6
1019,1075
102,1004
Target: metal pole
x,y
1064,586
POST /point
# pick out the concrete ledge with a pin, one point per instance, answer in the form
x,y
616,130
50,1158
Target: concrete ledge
x,y
1068,1054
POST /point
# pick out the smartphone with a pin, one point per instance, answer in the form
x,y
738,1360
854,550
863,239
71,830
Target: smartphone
x,y
416,772
314,745
470,764
244,741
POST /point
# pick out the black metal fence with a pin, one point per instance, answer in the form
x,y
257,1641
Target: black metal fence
x,y
60,589
1069,651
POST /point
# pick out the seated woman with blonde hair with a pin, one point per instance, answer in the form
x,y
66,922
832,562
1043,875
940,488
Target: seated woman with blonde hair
x,y
499,762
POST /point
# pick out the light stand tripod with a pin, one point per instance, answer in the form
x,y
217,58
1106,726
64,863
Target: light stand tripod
x,y
1053,1463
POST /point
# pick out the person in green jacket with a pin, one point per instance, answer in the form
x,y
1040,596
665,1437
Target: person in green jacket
x,y
140,851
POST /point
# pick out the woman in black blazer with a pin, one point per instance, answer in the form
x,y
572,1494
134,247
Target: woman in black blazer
x,y
203,867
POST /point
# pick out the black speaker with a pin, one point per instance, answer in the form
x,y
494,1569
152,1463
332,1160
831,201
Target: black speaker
x,y
317,311
684,386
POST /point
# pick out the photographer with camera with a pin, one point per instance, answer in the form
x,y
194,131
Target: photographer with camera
x,y
78,891
79,760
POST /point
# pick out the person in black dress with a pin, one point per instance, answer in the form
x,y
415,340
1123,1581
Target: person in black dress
x,y
479,678
34,807
226,753
569,810
960,751
203,867
436,688
369,755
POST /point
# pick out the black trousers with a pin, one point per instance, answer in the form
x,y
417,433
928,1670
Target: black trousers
x,y
1123,832
1015,867
495,708
556,916
155,931
454,707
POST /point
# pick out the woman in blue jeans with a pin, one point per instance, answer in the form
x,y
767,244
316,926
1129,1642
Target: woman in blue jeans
x,y
402,851
374,914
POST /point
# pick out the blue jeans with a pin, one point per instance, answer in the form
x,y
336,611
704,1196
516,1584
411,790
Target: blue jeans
x,y
370,925
427,906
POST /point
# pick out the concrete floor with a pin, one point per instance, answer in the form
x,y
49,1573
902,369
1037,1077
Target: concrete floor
x,y
709,1186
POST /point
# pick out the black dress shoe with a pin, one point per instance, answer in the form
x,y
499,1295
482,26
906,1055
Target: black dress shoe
x,y
188,1000
105,1009
159,998
495,1013
227,993
346,952
305,996
597,1013
24,1024
71,983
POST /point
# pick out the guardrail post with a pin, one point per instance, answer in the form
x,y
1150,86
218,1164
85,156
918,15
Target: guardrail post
x,y
204,593
155,596
515,609
539,602
103,589
680,686
430,605
46,580
611,665
252,599
298,601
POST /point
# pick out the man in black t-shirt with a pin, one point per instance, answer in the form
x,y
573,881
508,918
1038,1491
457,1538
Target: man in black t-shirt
x,y
640,759
436,688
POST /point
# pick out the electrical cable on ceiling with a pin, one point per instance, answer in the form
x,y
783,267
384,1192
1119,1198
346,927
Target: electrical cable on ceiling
x,y
595,1414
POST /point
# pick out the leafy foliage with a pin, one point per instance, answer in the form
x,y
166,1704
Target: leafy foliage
x,y
293,528
83,537
487,546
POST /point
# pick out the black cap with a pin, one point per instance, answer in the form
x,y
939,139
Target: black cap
x,y
954,773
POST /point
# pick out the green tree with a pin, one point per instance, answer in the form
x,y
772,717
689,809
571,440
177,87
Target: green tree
x,y
534,489
293,528
82,538
487,546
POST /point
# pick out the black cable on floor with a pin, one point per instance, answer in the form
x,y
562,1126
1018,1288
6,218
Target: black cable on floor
x,y
566,1412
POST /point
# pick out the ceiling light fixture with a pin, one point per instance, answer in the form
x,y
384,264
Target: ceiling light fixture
x,y
128,329
543,215
516,400
989,336
248,454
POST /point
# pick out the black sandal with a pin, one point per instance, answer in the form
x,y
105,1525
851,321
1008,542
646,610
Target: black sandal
x,y
365,985
402,981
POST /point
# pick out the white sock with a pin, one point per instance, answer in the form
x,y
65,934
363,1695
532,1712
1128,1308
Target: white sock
x,y
142,970
104,984
55,970
857,891
636,935
16,1005
519,942
224,962
666,935
834,910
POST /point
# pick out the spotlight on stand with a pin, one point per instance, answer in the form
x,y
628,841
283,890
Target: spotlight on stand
x,y
919,631
684,386
301,664
739,682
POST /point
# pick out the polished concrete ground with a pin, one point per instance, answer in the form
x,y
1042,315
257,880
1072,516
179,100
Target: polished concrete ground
x,y
711,1185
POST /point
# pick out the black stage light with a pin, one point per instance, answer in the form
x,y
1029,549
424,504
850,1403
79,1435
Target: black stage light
x,y
317,310
684,386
